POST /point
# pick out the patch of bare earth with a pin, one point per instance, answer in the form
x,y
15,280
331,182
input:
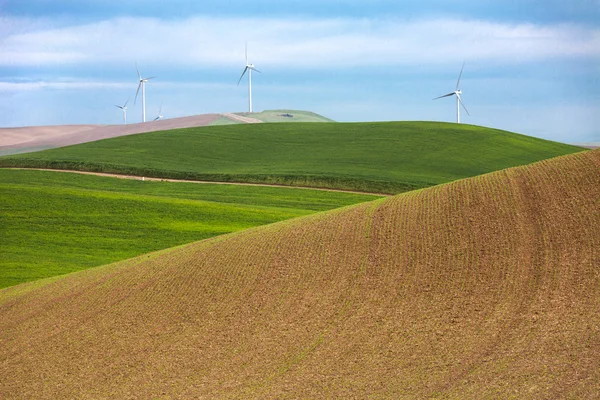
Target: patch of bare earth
x,y
241,118
487,287
57,136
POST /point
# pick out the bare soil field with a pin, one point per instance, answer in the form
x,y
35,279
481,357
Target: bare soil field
x,y
487,287
64,135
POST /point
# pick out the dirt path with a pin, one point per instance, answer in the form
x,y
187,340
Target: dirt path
x,y
239,118
142,178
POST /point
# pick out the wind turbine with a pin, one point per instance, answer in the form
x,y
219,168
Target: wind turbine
x,y
160,116
457,92
124,108
249,68
142,84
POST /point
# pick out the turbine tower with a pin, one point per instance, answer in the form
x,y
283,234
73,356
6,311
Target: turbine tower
x,y
124,108
457,92
142,84
249,68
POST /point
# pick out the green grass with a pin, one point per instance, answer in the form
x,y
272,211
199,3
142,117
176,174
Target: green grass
x,y
297,116
224,121
54,223
389,157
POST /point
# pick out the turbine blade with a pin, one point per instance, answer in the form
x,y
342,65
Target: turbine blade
x,y
459,76
254,69
446,95
156,118
136,93
127,102
152,77
246,52
118,106
138,71
243,73
463,104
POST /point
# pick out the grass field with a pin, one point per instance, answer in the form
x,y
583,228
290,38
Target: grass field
x,y
286,116
486,287
54,223
388,157
224,121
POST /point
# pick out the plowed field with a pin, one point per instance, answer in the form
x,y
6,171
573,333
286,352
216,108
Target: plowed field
x,y
487,287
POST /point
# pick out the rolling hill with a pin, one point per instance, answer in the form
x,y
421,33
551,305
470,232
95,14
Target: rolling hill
x,y
55,223
287,116
487,287
35,138
388,157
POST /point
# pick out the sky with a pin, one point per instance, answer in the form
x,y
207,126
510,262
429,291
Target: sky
x,y
530,66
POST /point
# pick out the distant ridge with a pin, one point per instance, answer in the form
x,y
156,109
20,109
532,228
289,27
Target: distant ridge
x,y
35,138
594,145
57,136
285,115
376,157
487,287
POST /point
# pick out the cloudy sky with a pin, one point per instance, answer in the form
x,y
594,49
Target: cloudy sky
x,y
531,66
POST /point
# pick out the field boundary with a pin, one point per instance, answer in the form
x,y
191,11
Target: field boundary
x,y
153,179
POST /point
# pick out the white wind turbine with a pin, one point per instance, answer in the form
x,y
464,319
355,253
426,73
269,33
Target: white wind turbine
x,y
142,84
124,108
249,68
160,116
457,92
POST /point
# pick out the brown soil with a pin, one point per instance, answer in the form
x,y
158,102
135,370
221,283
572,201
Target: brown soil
x,y
64,135
487,287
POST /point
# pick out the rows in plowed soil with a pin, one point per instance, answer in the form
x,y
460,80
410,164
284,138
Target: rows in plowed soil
x,y
482,288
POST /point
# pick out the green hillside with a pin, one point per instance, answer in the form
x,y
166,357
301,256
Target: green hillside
x,y
276,116
287,116
483,288
54,223
388,157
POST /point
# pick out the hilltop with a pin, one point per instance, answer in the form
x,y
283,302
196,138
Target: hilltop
x,y
382,157
36,138
287,116
481,288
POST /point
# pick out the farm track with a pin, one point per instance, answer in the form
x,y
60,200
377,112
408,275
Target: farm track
x,y
487,287
140,178
241,118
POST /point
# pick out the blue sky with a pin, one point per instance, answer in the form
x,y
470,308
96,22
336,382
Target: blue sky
x,y
531,66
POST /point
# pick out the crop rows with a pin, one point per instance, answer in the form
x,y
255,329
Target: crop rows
x,y
481,288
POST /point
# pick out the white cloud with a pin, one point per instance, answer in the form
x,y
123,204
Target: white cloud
x,y
216,42
79,84
60,84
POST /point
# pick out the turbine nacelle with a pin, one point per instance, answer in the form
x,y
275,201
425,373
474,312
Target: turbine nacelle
x,y
160,116
249,67
124,108
142,85
457,92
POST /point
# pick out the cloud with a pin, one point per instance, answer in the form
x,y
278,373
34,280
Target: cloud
x,y
290,43
59,84
85,84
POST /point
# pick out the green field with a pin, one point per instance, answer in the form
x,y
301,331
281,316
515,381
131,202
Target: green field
x,y
278,116
482,288
389,157
53,223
